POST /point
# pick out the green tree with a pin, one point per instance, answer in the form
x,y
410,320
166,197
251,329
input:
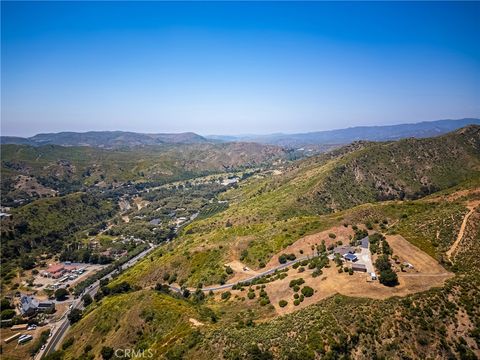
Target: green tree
x,y
87,300
388,277
61,294
75,315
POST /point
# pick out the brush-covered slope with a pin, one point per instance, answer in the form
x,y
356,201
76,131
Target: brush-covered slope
x,y
58,168
367,172
268,214
440,323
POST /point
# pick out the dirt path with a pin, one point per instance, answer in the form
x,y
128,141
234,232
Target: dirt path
x,y
471,206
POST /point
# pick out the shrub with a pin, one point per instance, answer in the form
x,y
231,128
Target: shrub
x,y
7,314
68,343
296,302
251,295
5,304
264,301
107,353
307,291
87,300
282,303
294,282
317,272
226,295
332,236
228,270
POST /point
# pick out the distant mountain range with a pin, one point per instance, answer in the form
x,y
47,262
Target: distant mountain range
x,y
106,139
319,140
345,136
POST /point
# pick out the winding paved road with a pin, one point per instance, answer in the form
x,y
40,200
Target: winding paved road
x,y
230,285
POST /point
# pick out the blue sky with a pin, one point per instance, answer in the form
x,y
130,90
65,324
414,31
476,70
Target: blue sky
x,y
235,68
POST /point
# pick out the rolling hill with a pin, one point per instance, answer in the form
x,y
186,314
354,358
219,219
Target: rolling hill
x,y
55,168
417,189
105,139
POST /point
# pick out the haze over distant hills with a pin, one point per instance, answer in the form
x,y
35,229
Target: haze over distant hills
x,y
348,135
106,139
321,140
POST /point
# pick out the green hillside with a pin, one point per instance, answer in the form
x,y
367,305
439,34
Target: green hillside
x,y
268,214
67,169
379,186
337,327
46,225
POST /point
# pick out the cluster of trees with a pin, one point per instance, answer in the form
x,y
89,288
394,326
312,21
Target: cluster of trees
x,y
85,256
282,259
107,270
387,276
46,225
7,309
379,244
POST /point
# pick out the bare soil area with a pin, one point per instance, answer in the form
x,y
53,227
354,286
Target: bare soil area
x,y
31,186
427,274
241,271
305,243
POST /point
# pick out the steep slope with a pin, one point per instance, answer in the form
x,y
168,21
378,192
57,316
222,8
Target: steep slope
x,y
368,172
440,323
268,214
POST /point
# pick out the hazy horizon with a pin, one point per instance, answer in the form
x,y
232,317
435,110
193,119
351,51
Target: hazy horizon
x,y
246,134
235,68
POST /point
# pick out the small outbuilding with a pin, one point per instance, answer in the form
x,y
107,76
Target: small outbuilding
x,y
359,267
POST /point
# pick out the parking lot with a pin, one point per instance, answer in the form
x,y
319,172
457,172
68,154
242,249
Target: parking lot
x,y
69,278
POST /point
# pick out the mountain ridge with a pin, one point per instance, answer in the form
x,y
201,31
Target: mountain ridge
x,y
321,141
107,139
346,135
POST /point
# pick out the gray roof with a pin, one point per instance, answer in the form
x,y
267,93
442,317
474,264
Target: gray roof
x,y
364,242
359,267
343,250
28,304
